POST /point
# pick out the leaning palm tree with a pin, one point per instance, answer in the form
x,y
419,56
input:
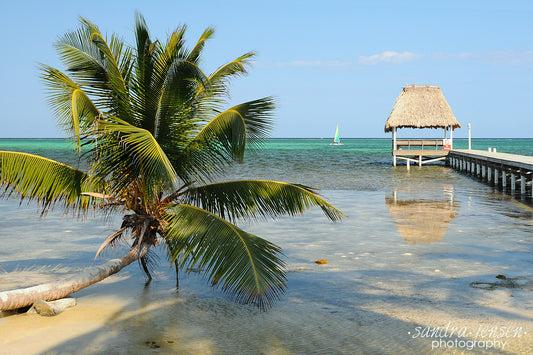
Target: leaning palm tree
x,y
156,138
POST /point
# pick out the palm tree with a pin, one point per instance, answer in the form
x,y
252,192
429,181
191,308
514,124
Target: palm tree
x,y
152,128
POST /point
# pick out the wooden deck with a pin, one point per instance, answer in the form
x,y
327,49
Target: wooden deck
x,y
418,151
510,172
519,161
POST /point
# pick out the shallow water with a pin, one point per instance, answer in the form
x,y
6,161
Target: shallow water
x,y
405,256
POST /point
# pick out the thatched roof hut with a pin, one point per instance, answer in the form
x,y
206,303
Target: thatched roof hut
x,y
421,106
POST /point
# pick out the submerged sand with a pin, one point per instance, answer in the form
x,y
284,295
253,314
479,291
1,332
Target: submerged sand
x,y
121,316
380,293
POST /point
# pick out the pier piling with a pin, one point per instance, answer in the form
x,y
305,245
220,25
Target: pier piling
x,y
507,172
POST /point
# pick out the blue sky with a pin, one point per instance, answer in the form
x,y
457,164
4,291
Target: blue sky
x,y
326,62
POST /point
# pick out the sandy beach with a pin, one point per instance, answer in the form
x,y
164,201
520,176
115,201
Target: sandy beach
x,y
119,316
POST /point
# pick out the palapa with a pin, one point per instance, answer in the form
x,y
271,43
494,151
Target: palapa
x,y
421,106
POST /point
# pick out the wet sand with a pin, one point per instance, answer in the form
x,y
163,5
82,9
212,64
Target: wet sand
x,y
120,316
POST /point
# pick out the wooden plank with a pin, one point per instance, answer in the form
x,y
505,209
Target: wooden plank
x,y
514,160
419,142
423,152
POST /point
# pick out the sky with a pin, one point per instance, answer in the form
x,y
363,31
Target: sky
x,y
326,62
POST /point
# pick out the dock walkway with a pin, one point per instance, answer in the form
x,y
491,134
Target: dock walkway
x,y
511,172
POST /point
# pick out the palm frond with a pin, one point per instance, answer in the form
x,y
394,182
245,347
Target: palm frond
x,y
195,52
229,70
47,181
177,92
143,89
111,240
227,135
117,63
245,266
165,85
82,58
74,110
149,262
258,198
129,153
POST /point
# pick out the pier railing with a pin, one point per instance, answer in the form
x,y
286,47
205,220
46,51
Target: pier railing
x,y
419,151
419,144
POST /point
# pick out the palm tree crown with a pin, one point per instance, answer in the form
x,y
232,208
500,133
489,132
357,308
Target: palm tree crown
x,y
157,136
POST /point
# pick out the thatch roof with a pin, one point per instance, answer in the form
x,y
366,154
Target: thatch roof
x,y
421,106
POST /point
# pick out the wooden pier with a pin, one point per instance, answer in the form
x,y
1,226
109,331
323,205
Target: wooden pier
x,y
509,172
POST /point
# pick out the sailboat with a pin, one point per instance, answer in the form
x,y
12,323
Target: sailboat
x,y
336,140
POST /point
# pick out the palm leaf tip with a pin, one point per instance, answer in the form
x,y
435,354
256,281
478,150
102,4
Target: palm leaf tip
x,y
46,181
314,199
331,212
244,266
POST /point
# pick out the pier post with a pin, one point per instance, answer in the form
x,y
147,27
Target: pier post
x,y
469,137
394,146
419,160
523,181
509,172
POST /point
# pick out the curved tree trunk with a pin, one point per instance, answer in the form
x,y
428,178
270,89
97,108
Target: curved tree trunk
x,y
55,290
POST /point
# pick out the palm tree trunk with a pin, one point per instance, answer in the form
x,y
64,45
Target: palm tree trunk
x,y
55,290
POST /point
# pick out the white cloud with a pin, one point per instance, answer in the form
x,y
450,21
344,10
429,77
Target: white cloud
x,y
508,57
389,57
495,57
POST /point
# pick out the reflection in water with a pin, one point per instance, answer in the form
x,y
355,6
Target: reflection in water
x,y
422,220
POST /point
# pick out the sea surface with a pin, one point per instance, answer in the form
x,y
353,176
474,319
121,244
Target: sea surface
x,y
418,238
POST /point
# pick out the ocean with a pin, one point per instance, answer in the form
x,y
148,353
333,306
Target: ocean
x,y
410,253
359,164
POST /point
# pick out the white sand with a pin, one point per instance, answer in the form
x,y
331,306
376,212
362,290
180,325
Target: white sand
x,y
119,316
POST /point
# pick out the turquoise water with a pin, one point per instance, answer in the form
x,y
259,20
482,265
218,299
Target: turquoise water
x,y
412,240
359,164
